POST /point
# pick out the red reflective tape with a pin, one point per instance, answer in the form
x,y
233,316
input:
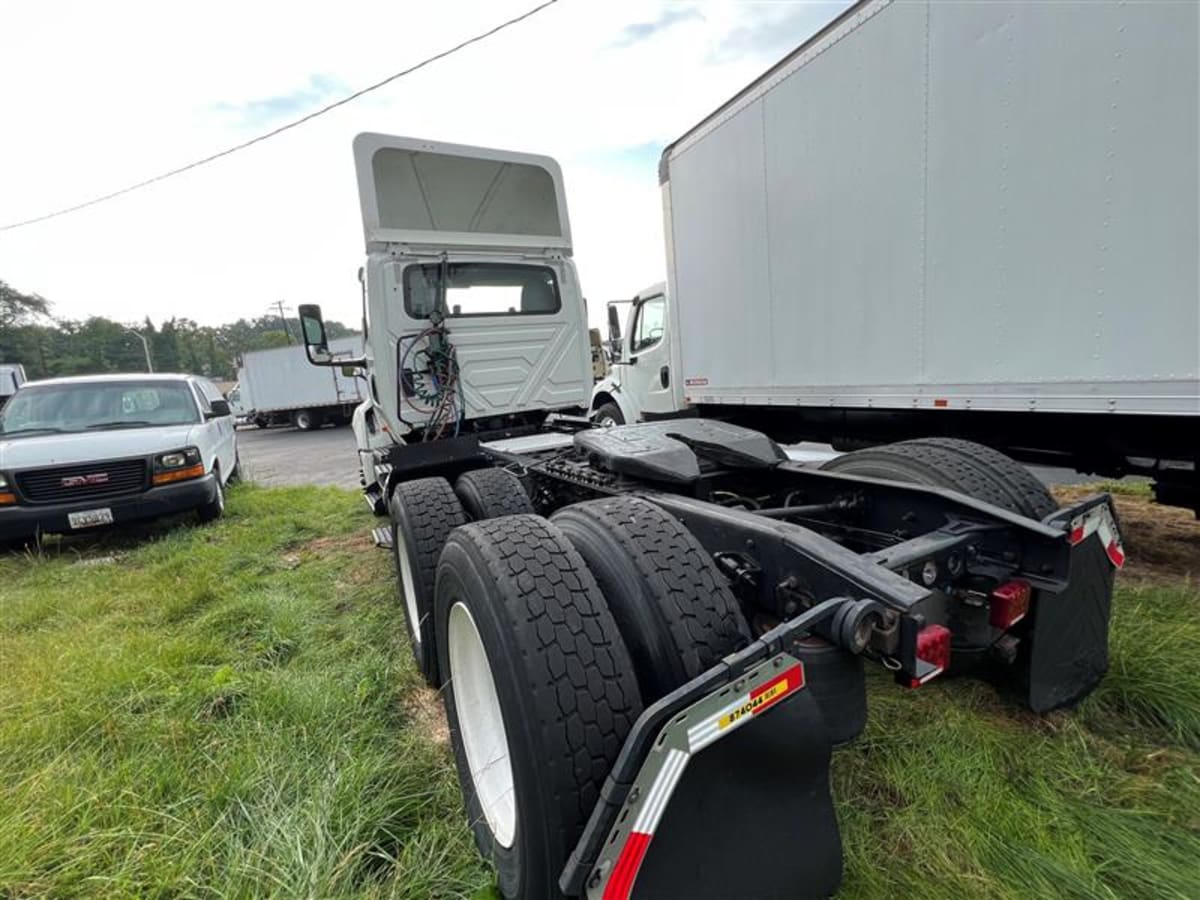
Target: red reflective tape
x,y
791,680
620,884
1115,554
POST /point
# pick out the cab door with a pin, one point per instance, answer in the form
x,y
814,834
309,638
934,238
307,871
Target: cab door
x,y
646,375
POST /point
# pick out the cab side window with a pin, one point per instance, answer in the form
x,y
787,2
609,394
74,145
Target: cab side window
x,y
648,329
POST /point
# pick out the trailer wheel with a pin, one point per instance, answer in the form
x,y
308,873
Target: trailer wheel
x,y
540,693
306,419
963,466
674,607
423,513
491,493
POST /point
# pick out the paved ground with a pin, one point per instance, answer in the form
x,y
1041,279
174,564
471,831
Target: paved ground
x,y
327,456
288,456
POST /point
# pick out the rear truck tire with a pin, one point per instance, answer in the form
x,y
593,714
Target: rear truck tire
x,y
214,508
306,419
423,513
540,693
491,493
609,414
674,607
964,466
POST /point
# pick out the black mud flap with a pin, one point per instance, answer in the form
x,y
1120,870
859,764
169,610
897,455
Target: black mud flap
x,y
1065,651
730,800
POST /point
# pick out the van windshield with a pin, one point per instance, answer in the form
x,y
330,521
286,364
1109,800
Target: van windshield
x,y
98,405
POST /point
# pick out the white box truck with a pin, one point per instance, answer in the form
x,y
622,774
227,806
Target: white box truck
x,y
966,219
12,376
278,386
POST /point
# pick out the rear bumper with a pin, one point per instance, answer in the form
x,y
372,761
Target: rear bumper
x,y
27,520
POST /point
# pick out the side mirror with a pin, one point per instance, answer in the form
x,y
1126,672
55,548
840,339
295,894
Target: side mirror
x,y
614,323
218,409
312,326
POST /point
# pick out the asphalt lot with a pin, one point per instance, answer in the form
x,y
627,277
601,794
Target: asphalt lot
x,y
282,456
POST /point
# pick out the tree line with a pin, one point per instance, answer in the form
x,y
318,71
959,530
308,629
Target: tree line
x,y
48,346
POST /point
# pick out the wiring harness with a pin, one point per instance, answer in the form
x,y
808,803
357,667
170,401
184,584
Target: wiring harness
x,y
429,380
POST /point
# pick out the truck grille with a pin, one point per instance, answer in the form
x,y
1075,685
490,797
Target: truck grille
x,y
88,481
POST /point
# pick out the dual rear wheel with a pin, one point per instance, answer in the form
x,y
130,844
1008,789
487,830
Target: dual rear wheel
x,y
548,638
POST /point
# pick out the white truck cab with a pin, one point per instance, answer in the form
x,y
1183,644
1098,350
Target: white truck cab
x,y
474,318
642,382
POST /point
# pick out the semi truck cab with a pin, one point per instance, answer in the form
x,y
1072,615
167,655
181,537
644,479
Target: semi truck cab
x,y
473,315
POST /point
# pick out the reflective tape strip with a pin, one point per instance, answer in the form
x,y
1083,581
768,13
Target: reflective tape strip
x,y
624,873
660,792
745,707
1099,521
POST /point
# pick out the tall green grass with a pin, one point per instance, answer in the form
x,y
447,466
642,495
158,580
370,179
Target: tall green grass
x,y
230,711
220,712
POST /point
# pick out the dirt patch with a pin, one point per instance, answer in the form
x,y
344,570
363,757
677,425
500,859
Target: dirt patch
x,y
425,712
1162,542
323,546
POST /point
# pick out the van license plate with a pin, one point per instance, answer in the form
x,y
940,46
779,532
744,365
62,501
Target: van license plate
x,y
89,517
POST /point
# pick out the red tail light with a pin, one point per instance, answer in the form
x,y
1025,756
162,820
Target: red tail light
x,y
1009,604
933,649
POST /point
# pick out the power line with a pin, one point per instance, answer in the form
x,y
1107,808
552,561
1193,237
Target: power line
x,y
282,128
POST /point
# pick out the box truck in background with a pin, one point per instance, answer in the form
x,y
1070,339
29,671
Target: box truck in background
x,y
12,376
278,386
977,220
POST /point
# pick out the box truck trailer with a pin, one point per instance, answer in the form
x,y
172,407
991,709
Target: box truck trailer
x,y
278,386
965,219
12,376
649,638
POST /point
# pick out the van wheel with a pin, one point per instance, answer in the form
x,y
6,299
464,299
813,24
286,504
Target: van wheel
x,y
423,513
491,493
608,414
964,466
674,607
540,693
214,508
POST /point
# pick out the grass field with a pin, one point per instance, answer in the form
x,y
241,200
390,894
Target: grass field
x,y
229,711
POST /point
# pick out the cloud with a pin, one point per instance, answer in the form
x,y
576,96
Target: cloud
x,y
169,83
268,110
775,29
641,31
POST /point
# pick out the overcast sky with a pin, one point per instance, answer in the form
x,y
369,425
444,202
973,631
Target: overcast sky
x,y
97,95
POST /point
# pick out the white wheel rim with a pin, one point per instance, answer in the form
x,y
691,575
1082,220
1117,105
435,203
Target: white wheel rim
x,y
408,585
481,725
607,422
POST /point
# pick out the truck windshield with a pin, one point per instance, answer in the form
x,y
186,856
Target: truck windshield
x,y
98,405
481,289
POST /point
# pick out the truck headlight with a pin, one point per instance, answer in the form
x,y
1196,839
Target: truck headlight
x,y
178,465
7,497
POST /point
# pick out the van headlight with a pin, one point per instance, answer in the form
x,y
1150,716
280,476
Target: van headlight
x,y
7,497
178,465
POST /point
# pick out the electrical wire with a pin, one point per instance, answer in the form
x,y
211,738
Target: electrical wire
x,y
163,176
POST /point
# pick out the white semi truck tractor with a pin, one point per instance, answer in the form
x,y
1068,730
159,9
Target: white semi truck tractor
x,y
649,638
976,220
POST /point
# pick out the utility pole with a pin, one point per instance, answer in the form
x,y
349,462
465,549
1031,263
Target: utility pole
x,y
278,304
145,347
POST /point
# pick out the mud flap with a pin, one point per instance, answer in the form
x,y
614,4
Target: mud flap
x,y
731,799
1065,651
